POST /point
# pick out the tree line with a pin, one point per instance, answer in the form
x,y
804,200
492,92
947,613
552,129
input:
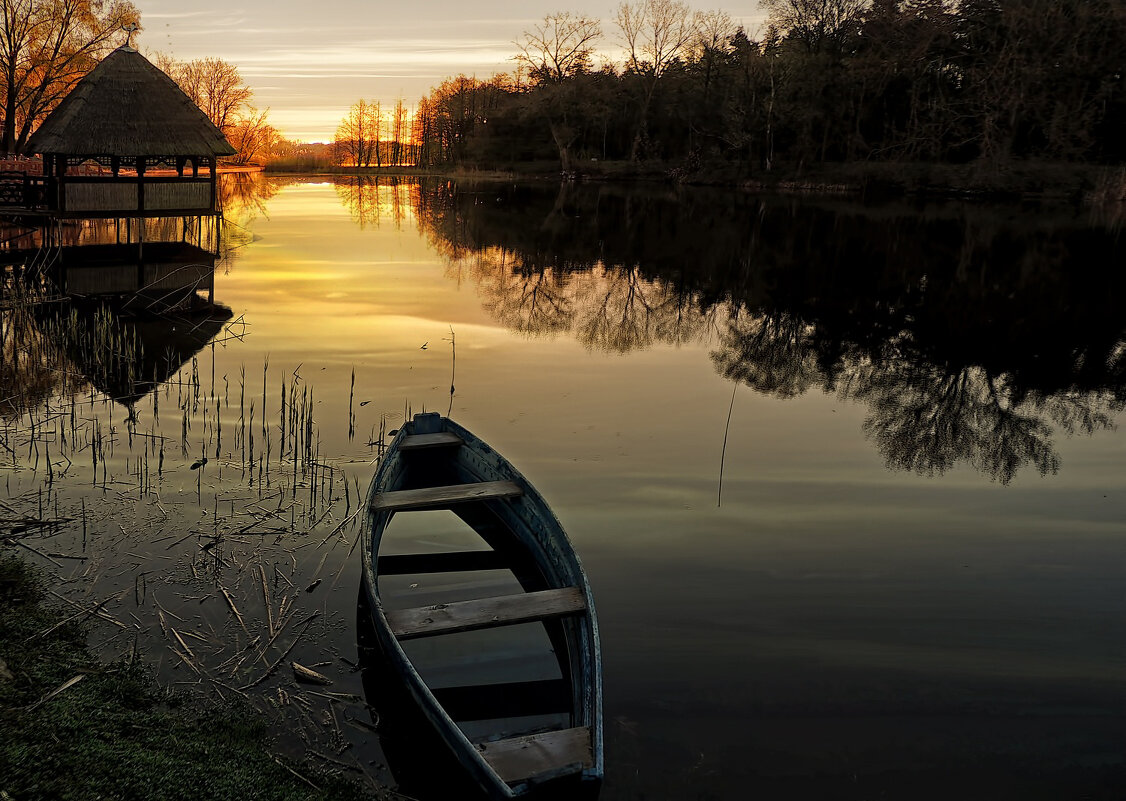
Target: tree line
x,y
949,81
942,81
371,136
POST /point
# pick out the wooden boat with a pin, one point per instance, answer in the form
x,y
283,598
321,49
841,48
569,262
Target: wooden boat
x,y
433,463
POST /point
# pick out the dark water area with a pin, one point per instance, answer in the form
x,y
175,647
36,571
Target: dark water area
x,y
847,478
968,331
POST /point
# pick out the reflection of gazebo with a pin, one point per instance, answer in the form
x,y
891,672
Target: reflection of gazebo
x,y
132,120
172,275
127,355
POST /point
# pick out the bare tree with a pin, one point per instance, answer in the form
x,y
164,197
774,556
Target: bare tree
x,y
399,130
714,31
46,47
253,137
556,53
422,133
559,47
375,112
655,34
357,137
217,88
447,117
212,84
820,25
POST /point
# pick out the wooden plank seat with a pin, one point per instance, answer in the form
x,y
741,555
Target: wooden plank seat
x,y
441,439
485,613
550,753
446,496
445,562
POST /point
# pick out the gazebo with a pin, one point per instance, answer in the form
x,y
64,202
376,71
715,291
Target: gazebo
x,y
143,132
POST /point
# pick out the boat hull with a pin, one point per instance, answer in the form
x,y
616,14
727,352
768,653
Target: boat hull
x,y
522,529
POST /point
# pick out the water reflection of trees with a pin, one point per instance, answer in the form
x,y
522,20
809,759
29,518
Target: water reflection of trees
x,y
927,419
372,200
30,367
971,334
613,310
540,269
243,197
774,355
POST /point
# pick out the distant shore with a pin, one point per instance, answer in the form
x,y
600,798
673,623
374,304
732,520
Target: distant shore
x,y
1002,181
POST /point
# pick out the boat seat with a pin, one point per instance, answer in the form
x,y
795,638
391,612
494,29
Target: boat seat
x,y
446,496
485,613
418,442
445,562
520,759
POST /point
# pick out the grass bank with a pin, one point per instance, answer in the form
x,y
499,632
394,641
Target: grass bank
x,y
73,728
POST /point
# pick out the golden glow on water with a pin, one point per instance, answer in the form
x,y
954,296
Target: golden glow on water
x,y
346,292
342,276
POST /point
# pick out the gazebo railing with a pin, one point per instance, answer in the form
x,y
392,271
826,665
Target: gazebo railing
x,y
79,195
91,196
20,190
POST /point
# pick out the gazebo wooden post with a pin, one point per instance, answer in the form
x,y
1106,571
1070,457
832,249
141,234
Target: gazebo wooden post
x,y
211,287
54,175
141,184
214,181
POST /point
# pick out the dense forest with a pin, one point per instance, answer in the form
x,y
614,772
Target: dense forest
x,y
937,81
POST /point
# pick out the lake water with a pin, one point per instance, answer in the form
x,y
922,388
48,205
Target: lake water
x,y
848,480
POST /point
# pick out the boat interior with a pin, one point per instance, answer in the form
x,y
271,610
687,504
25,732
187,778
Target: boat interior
x,y
488,630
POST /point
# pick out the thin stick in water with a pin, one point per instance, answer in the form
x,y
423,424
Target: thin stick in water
x,y
723,452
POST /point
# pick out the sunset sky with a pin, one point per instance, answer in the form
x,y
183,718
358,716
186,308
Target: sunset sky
x,y
308,61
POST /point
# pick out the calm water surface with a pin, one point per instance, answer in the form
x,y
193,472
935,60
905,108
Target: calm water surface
x,y
848,481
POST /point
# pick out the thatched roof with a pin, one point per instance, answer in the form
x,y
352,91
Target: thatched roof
x,y
127,107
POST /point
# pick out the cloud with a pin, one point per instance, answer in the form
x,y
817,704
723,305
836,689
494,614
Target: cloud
x,y
309,62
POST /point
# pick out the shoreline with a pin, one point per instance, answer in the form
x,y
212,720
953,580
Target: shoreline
x,y
75,727
1078,183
